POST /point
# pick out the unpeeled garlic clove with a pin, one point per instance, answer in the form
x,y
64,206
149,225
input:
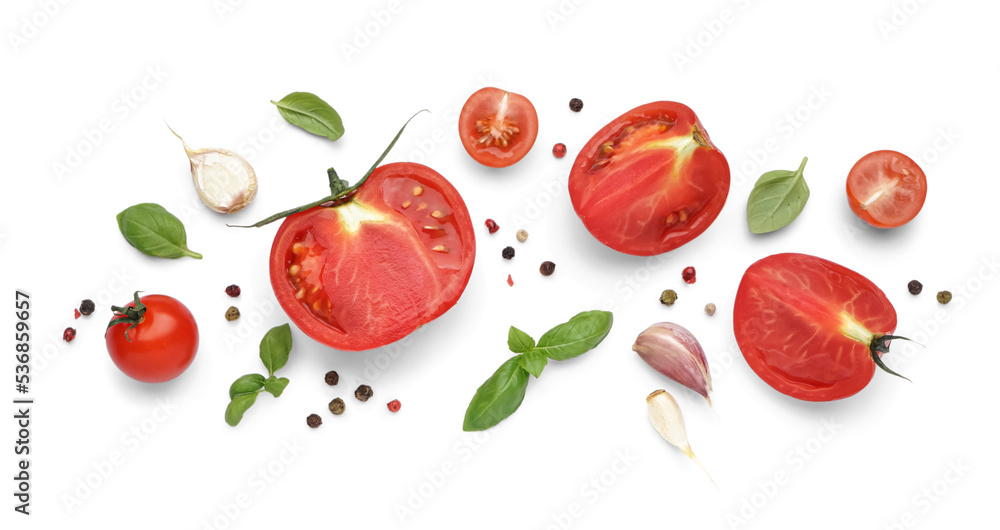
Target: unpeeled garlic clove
x,y
674,352
224,180
666,417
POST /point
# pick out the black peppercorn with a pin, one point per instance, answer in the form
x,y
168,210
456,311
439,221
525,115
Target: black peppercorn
x,y
508,252
576,104
332,378
337,406
547,268
87,307
915,287
363,393
313,420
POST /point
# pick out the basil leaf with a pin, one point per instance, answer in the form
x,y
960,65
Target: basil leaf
x,y
519,341
311,114
533,362
581,334
498,397
238,406
154,231
777,199
276,386
246,384
274,348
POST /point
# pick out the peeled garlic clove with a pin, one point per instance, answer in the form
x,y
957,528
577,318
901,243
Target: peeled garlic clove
x,y
665,415
224,180
674,352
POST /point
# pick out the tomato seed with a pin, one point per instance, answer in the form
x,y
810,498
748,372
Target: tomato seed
x,y
508,252
233,290
337,406
522,235
232,313
406,204
69,334
492,226
418,191
559,150
87,307
915,287
576,104
547,268
710,309
944,297
363,393
332,377
313,421
689,275
437,214
394,405
668,297
440,248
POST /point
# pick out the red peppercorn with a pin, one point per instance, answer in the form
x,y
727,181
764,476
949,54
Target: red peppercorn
x,y
233,290
492,226
76,313
394,405
510,281
559,150
688,275
69,334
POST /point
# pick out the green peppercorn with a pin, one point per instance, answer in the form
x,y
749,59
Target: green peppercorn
x,y
944,297
232,313
337,406
668,297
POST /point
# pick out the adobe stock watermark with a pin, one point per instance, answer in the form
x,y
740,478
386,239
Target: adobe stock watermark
x,y
591,491
224,7
561,11
929,496
31,25
249,323
712,30
436,479
539,199
257,483
121,109
369,30
795,460
785,128
425,147
899,14
105,467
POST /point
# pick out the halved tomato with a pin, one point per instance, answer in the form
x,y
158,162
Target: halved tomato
x,y
886,189
649,181
497,127
370,271
810,328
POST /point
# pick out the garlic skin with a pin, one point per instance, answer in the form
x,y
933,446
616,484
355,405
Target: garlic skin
x,y
666,417
674,352
224,180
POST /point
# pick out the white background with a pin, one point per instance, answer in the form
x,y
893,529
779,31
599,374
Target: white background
x,y
924,83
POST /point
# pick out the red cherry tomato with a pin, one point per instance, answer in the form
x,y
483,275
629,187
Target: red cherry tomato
x,y
161,346
886,189
372,270
649,181
497,127
810,328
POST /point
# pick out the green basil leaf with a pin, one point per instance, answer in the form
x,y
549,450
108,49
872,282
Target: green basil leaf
x,y
498,397
238,406
533,362
777,199
274,348
246,384
519,341
312,114
154,231
276,386
581,334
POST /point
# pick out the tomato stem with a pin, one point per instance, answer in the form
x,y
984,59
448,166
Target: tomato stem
x,y
128,315
880,345
340,192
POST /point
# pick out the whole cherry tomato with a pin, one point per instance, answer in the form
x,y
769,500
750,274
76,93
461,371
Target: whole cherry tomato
x,y
153,338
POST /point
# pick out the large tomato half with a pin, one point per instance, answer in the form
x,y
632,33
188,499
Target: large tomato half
x,y
649,181
810,328
372,270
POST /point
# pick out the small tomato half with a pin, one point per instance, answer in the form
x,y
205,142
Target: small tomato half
x,y
649,181
497,127
886,189
371,270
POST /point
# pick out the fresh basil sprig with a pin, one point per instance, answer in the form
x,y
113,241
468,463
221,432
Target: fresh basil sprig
x,y
777,199
503,392
310,113
274,350
154,231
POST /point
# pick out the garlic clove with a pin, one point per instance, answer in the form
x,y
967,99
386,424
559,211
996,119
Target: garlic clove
x,y
673,351
224,180
666,417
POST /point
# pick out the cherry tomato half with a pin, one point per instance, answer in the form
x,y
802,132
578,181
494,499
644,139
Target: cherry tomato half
x,y
497,127
649,181
810,328
161,346
886,189
372,270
